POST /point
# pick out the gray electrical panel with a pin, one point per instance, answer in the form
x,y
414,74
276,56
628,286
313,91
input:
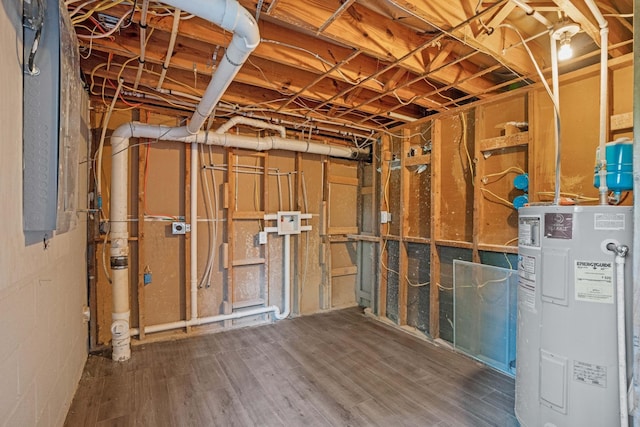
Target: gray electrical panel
x,y
53,107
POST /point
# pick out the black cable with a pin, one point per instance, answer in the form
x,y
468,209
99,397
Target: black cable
x,y
34,49
133,12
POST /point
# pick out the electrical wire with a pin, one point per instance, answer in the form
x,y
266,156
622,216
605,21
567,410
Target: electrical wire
x,y
463,139
501,199
514,169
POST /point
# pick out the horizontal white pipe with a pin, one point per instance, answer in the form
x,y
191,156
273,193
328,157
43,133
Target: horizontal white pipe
x,y
165,133
251,122
250,114
207,320
245,39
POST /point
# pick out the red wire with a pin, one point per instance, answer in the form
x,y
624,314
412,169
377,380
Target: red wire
x,y
121,97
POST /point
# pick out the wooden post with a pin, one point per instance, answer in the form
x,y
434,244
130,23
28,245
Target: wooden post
x,y
403,262
436,230
142,165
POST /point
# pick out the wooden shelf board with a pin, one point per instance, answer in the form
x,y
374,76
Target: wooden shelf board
x,y
507,141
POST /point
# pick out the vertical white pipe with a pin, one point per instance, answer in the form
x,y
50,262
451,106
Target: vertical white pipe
x,y
604,86
143,41
193,198
621,253
556,115
172,42
287,279
119,250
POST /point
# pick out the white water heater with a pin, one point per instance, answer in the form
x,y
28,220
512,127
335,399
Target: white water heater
x,y
566,353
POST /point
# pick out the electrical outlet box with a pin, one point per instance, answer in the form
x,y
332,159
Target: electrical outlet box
x,y
180,228
262,237
288,222
385,217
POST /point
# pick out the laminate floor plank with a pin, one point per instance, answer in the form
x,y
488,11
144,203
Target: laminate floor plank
x,y
339,368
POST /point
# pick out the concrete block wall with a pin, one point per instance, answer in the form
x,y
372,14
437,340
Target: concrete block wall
x,y
43,340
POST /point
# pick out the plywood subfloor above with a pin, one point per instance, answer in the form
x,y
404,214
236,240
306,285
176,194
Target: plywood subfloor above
x,y
334,369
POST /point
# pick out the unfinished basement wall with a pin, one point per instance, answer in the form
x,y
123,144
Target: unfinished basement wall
x,y
448,183
236,188
43,340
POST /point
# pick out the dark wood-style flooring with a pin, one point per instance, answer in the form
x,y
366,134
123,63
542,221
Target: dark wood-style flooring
x,y
334,369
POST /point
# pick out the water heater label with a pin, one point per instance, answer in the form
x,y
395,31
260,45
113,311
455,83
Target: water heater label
x,y
527,282
558,225
529,231
603,221
594,281
591,374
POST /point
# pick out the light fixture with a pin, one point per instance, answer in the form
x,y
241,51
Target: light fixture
x,y
565,51
562,32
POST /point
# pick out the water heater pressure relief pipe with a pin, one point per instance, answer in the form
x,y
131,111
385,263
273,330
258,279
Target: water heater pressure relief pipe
x,y
621,252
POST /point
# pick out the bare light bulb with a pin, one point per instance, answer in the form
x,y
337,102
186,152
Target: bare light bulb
x,y
565,51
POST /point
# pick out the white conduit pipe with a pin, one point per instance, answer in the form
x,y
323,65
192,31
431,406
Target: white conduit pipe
x,y
531,11
621,252
193,274
279,315
229,15
172,43
251,122
556,115
143,41
119,234
604,85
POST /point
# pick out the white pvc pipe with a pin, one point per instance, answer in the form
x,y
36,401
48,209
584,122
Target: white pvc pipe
x,y
277,314
193,274
143,41
251,122
119,250
229,15
119,234
621,253
172,42
531,11
556,115
165,133
287,279
604,85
